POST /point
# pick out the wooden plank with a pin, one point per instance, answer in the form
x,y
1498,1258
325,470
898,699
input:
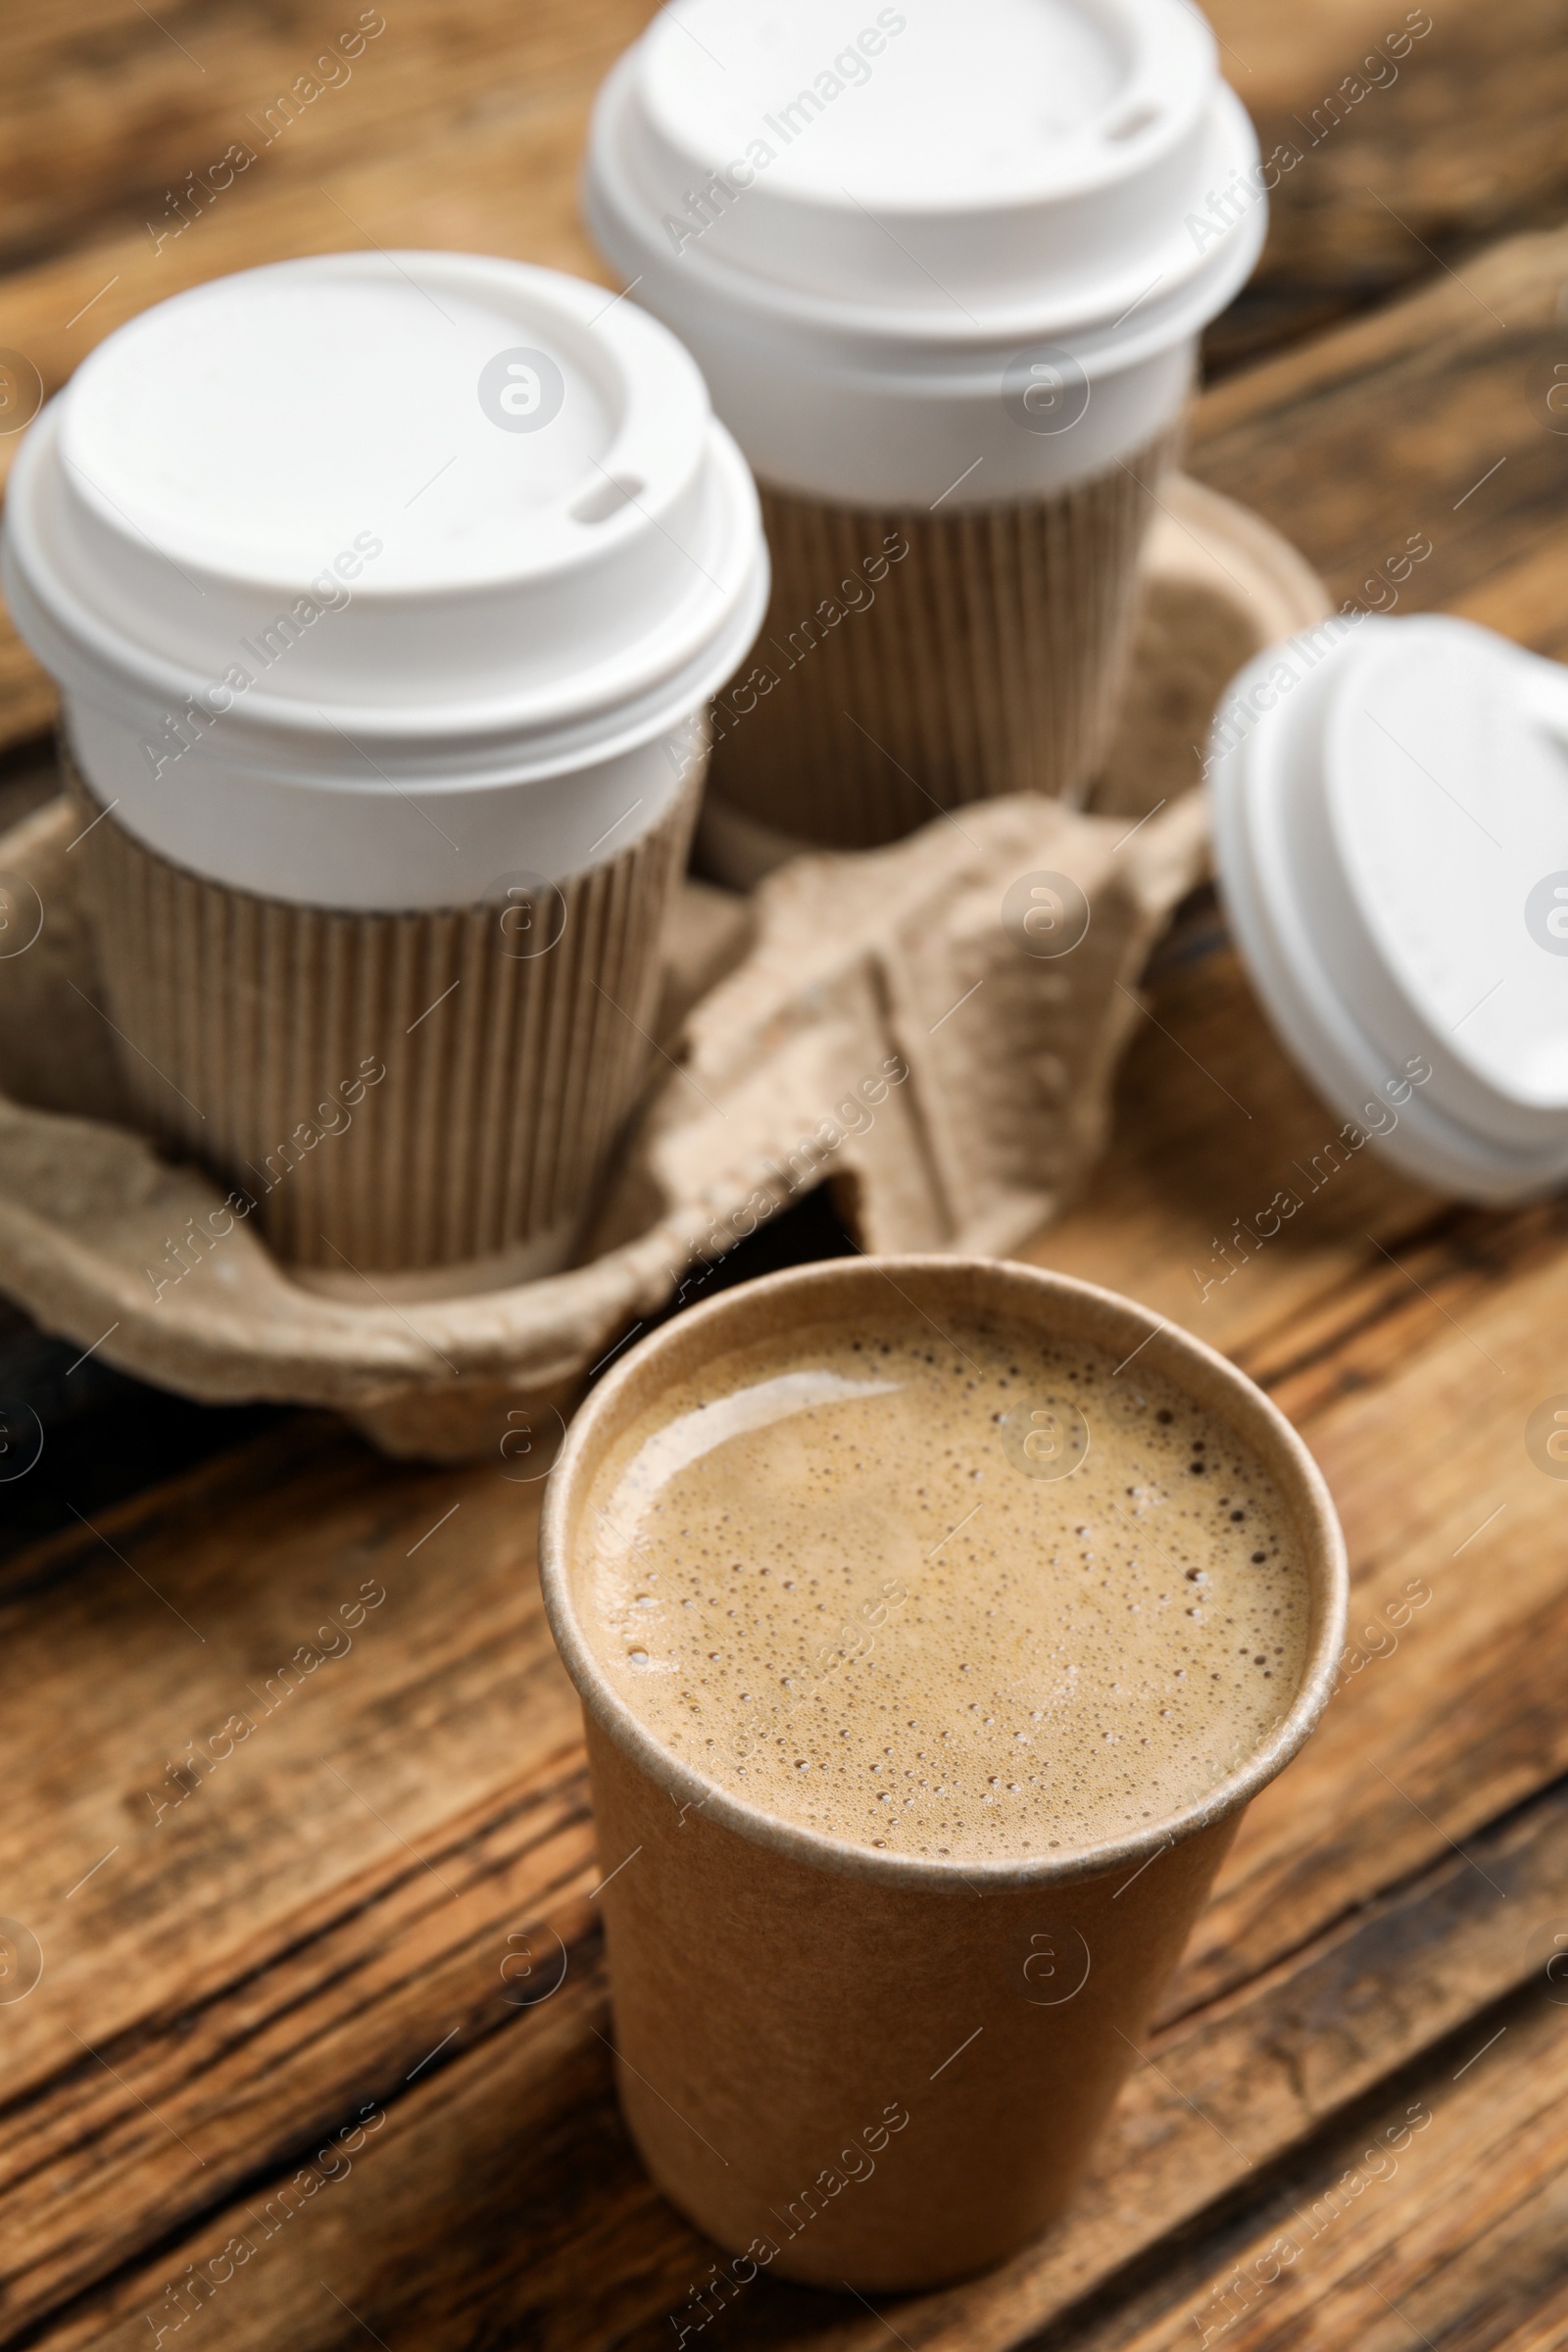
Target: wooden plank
x,y
1454,1713
204,1600
146,2127
1428,419
120,123
506,186
1411,149
1211,1123
1392,2230
512,2123
210,1894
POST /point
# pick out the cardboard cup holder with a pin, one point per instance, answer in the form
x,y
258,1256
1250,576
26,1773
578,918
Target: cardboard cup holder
x,y
933,1028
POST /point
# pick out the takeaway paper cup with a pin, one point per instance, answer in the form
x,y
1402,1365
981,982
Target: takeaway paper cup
x,y
944,271
385,594
784,2000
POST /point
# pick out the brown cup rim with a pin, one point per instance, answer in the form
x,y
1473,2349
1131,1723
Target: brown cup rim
x,y
1007,1286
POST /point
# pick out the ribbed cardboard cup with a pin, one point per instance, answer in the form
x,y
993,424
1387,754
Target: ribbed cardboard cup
x,y
858,2068
960,328
379,841
919,661
391,1092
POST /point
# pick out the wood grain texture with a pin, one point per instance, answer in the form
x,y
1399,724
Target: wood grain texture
x,y
498,2114
1388,2230
1430,419
115,119
1401,151
489,188
299,1858
278,1933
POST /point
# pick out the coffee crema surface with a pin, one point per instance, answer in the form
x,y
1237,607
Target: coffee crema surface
x,y
973,1594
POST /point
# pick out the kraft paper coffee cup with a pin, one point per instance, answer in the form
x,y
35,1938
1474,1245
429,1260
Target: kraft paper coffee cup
x,y
386,593
785,2001
945,269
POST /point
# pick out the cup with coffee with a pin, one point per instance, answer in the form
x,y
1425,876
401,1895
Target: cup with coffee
x,y
935,1620
945,269
386,593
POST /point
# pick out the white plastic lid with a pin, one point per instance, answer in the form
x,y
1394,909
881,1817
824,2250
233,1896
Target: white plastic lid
x,y
375,524
1390,801
913,189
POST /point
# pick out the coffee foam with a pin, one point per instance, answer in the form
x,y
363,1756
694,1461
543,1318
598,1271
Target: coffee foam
x,y
970,1595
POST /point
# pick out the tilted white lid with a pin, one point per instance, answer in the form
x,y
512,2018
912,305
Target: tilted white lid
x,y
1391,802
370,521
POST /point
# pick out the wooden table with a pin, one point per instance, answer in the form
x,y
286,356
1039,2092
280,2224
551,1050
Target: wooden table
x,y
281,2008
